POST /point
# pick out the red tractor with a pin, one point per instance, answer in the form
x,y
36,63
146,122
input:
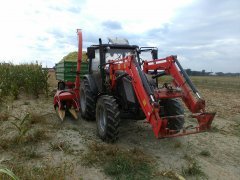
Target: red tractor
x,y
120,84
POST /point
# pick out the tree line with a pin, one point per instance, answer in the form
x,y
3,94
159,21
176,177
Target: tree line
x,y
205,73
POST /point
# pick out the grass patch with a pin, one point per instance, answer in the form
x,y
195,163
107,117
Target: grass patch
x,y
26,103
205,153
30,153
36,136
98,153
193,168
235,128
119,164
25,130
214,129
63,146
36,118
46,171
223,84
178,145
171,174
4,116
7,143
123,167
22,127
33,136
74,128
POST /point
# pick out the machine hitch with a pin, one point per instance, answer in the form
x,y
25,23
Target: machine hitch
x,y
204,124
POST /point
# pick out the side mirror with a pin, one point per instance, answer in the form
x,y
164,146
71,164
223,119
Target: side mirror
x,y
155,54
91,52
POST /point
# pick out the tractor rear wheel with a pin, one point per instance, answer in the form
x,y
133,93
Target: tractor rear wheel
x,y
107,118
87,102
172,107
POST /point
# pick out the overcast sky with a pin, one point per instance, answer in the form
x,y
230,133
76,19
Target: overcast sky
x,y
205,34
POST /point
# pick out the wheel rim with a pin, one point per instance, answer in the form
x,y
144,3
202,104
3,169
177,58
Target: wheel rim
x,y
102,121
83,100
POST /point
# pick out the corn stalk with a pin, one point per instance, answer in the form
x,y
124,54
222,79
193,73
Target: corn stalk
x,y
29,78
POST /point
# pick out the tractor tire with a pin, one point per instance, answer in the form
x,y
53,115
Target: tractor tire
x,y
87,102
107,118
172,107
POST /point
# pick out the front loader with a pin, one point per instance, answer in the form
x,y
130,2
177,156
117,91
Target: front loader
x,y
121,84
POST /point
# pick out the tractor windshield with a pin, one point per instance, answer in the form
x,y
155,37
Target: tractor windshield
x,y
146,56
148,53
116,54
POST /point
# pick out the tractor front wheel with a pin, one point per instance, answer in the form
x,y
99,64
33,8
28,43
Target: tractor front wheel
x,y
172,107
107,118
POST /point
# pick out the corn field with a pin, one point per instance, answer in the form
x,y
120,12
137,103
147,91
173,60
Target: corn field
x,y
27,78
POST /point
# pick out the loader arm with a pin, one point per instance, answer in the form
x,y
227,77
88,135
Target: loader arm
x,y
171,66
149,100
146,101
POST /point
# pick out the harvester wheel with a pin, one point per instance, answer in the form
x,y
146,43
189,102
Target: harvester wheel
x,y
107,118
172,107
87,102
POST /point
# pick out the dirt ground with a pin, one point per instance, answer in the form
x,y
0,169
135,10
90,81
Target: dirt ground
x,y
216,152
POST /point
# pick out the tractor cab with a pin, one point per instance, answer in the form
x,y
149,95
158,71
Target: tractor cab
x,y
99,77
116,49
100,55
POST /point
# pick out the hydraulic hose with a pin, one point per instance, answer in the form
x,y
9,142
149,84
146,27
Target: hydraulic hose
x,y
146,85
186,77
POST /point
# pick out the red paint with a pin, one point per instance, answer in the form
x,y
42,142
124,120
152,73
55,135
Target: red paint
x,y
151,109
66,99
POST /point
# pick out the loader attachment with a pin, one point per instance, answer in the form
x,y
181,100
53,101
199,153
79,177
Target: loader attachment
x,y
182,87
204,121
150,99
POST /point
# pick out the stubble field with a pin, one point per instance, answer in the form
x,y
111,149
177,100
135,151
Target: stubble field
x,y
35,144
